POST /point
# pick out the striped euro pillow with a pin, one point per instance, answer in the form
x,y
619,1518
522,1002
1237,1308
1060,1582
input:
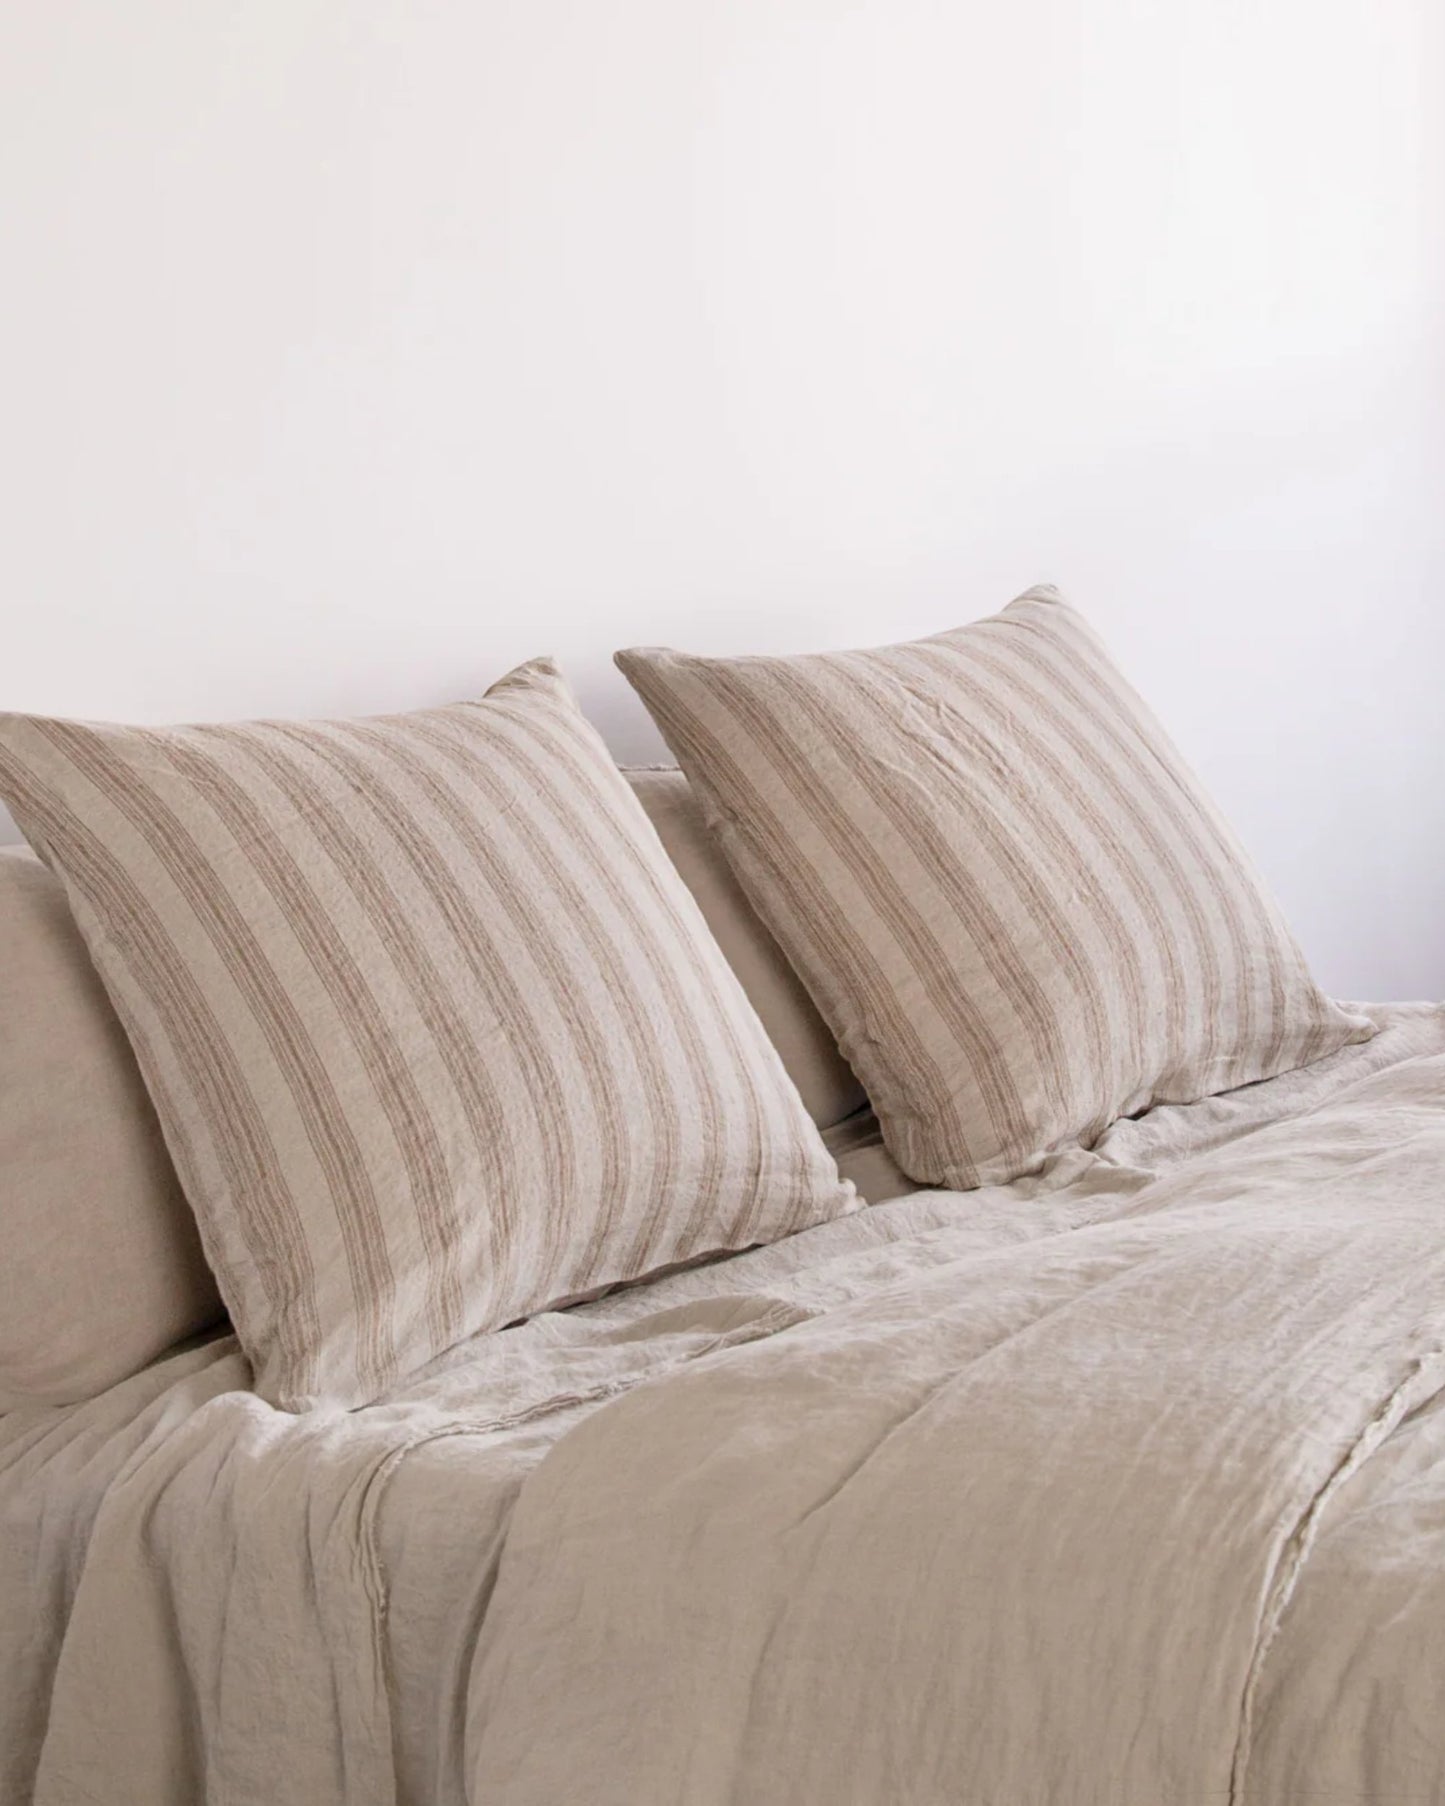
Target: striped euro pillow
x,y
1009,897
436,1034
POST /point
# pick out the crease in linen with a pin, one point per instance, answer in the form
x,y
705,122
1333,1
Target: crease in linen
x,y
206,1574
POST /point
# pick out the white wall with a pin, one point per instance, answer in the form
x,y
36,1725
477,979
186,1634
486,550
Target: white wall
x,y
351,351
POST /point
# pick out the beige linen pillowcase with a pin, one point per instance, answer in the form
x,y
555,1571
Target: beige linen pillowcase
x,y
436,1033
1009,897
101,1268
804,1041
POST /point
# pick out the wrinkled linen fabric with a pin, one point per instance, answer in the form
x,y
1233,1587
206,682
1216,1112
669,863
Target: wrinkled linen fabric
x,y
1009,897
1125,1483
437,1035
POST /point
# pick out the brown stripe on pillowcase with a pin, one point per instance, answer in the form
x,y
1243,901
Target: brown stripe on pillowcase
x,y
405,791
146,967
852,987
1012,902
847,691
298,1058
634,892
1170,1005
386,907
929,967
1206,862
1075,653
1087,883
453,790
439,1029
339,971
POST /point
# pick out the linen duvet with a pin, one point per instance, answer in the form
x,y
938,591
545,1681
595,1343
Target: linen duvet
x,y
1124,1483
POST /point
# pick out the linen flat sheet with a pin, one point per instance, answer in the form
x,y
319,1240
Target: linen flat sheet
x,y
1122,1484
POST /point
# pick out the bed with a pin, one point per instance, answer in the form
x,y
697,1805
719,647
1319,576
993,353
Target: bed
x,y
830,1275
1125,1483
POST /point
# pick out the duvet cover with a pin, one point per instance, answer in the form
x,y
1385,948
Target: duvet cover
x,y
1124,1484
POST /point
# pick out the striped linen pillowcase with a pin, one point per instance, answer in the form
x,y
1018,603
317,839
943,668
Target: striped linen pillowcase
x,y
436,1034
1009,897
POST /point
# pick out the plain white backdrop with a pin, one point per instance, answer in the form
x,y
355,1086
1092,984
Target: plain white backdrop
x,y
351,352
